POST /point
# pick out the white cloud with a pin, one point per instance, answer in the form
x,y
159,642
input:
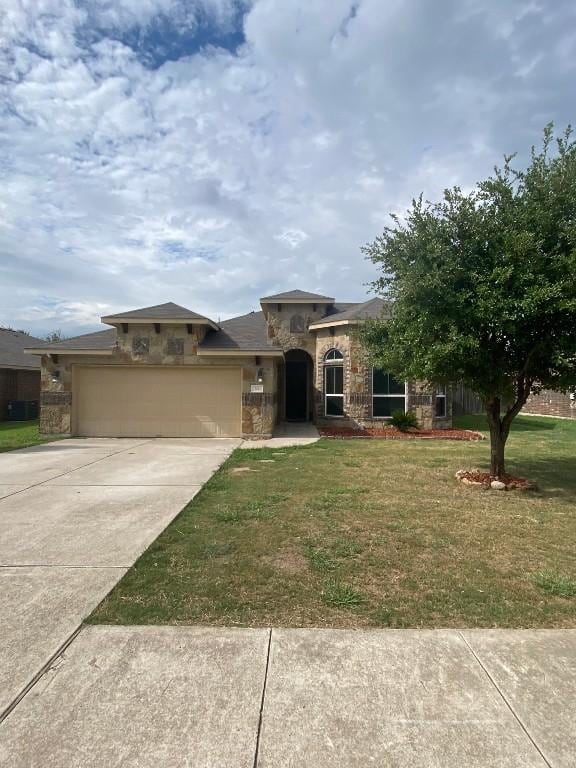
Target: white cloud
x,y
124,184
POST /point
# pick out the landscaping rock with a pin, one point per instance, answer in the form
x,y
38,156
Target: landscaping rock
x,y
498,485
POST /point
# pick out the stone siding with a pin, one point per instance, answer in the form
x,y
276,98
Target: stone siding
x,y
358,386
550,403
141,345
288,325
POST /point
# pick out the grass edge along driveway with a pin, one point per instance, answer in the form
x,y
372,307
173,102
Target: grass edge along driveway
x,y
20,434
367,533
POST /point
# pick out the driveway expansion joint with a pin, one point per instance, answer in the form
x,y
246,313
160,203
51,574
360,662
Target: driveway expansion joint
x,y
40,674
262,700
506,702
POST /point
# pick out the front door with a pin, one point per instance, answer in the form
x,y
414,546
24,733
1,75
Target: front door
x,y
296,390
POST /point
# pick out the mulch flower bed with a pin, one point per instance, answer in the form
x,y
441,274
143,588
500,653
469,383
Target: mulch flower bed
x,y
486,480
392,433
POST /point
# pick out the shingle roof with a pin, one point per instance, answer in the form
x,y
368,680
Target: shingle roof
x,y
367,309
12,345
99,340
245,332
168,311
298,296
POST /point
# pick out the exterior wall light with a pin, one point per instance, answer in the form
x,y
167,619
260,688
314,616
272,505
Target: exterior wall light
x,y
260,375
55,377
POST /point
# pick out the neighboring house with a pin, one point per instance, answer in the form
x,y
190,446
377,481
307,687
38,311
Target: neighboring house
x,y
550,403
168,371
19,373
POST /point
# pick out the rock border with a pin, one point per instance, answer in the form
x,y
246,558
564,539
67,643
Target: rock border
x,y
480,479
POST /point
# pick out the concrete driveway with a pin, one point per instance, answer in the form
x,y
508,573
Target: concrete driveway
x,y
74,516
192,697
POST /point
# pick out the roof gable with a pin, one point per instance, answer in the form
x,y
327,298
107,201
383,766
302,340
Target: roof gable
x,y
372,308
298,296
166,313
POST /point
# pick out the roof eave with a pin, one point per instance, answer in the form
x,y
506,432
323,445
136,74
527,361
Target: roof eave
x,y
66,351
319,326
116,320
270,300
240,352
13,367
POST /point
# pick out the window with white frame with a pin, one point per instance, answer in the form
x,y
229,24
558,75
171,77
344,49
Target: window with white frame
x,y
388,394
440,402
334,383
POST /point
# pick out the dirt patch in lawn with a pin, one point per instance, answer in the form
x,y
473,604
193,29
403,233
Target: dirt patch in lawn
x,y
392,433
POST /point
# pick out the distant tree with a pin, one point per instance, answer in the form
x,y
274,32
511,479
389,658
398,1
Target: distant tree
x,y
55,336
484,287
14,330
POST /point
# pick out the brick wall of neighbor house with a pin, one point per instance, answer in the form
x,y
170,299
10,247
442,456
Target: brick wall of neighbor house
x,y
550,403
17,385
358,386
173,346
7,390
28,385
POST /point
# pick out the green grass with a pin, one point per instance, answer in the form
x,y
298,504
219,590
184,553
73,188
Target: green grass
x,y
19,434
556,584
368,534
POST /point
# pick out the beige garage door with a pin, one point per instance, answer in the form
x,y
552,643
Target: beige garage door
x,y
114,401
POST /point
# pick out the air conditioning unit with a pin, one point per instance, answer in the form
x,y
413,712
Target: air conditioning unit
x,y
22,410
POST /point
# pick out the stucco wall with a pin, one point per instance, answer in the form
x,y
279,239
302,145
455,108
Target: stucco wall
x,y
173,346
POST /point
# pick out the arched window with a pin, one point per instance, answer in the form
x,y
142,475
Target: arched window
x,y
334,383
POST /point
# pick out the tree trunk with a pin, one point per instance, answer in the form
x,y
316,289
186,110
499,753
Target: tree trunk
x,y
500,425
499,431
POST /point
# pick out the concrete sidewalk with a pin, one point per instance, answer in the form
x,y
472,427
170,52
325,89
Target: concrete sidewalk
x,y
74,515
287,435
239,698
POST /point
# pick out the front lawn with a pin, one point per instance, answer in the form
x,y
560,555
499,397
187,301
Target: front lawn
x,y
359,533
19,434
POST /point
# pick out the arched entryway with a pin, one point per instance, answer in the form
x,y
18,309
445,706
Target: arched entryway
x,y
298,385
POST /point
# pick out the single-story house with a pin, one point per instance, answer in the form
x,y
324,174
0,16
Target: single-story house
x,y
19,373
169,371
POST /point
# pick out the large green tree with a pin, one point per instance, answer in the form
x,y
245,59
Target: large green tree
x,y
483,285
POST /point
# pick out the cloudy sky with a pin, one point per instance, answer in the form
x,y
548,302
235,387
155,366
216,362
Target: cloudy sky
x,y
209,152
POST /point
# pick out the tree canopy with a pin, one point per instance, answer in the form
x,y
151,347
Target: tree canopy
x,y
483,285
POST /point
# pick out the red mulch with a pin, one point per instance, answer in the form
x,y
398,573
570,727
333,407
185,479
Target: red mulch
x,y
393,433
485,478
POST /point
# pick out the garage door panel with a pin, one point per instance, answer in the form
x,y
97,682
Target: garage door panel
x,y
115,401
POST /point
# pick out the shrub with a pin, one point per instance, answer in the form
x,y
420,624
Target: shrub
x,y
404,420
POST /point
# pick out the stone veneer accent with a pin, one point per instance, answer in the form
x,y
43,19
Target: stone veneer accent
x,y
172,346
358,386
287,329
